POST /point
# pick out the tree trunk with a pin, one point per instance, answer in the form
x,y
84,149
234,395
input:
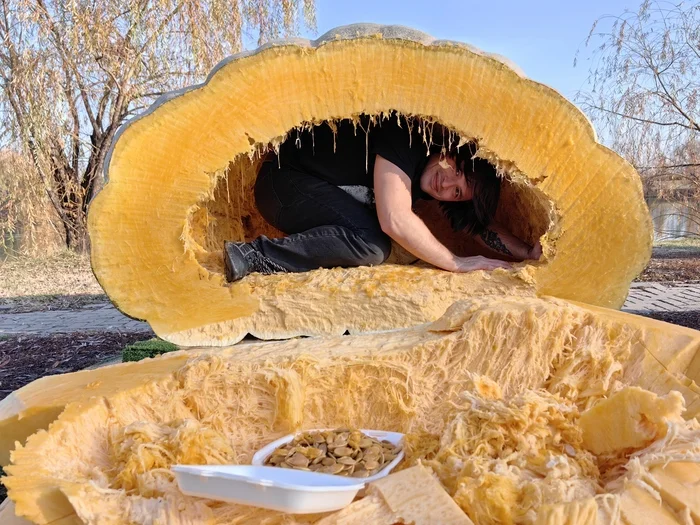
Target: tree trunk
x,y
76,234
69,195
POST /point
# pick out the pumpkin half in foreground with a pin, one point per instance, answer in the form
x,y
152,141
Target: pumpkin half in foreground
x,y
181,177
526,411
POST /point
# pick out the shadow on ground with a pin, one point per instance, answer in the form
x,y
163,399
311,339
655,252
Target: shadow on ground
x,y
36,303
689,319
675,252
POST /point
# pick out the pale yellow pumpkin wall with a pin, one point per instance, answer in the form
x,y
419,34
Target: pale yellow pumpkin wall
x,y
205,400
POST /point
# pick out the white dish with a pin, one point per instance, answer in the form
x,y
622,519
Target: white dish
x,y
395,438
285,490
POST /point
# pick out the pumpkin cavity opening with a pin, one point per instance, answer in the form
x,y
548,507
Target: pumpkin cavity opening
x,y
228,211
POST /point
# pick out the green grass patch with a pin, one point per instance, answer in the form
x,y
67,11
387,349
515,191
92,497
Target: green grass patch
x,y
144,349
686,242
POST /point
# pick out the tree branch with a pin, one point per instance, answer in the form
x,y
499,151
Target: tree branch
x,y
670,98
155,34
689,165
67,61
639,119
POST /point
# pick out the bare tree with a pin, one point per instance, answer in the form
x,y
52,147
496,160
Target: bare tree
x,y
71,71
645,96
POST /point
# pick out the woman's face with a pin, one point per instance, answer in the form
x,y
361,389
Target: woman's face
x,y
443,181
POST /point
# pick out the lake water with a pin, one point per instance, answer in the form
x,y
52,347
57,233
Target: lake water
x,y
673,220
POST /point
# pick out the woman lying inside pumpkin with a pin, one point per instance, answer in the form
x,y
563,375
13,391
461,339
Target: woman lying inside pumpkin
x,y
306,191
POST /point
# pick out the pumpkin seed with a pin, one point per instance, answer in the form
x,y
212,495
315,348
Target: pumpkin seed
x,y
312,452
298,460
371,465
342,451
373,450
331,469
355,439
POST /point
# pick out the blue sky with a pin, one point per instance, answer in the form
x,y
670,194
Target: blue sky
x,y
541,36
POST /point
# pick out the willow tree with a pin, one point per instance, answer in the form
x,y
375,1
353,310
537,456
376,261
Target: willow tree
x,y
645,96
72,72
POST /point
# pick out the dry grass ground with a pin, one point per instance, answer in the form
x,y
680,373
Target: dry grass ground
x,y
62,281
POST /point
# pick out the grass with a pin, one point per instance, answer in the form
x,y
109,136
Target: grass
x,y
64,280
686,242
143,349
687,247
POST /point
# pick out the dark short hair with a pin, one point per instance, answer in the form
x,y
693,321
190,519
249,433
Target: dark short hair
x,y
474,216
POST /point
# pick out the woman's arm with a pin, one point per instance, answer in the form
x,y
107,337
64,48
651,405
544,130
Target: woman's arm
x,y
501,241
392,192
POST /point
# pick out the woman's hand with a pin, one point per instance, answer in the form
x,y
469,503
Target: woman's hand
x,y
470,264
392,192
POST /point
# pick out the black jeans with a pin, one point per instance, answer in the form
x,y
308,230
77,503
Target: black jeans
x,y
326,227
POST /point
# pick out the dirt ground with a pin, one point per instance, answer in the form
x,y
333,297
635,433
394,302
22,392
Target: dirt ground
x,y
25,358
690,319
673,264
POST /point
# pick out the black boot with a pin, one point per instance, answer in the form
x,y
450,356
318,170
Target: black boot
x,y
241,259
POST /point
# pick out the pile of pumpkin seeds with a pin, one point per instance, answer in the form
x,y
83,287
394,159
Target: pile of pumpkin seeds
x,y
344,452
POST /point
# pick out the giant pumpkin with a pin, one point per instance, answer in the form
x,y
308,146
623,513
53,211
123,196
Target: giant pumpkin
x,y
181,175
